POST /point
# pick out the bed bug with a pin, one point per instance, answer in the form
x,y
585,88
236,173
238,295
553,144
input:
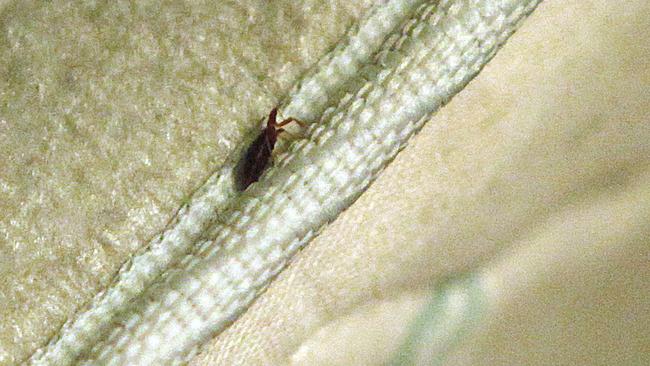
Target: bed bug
x,y
259,152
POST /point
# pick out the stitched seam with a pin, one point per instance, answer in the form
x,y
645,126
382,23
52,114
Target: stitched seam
x,y
344,121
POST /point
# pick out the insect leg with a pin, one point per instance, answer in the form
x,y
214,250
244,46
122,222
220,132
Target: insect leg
x,y
289,120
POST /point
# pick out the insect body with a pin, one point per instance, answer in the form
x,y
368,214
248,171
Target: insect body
x,y
259,152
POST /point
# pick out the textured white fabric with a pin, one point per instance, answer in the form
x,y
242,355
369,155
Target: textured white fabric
x,y
111,115
194,216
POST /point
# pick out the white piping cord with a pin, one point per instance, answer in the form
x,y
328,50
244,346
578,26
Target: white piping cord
x,y
321,86
319,177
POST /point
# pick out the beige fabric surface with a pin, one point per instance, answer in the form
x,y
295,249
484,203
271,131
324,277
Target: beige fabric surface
x,y
111,113
536,176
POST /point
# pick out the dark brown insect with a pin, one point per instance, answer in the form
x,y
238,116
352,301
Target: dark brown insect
x,y
258,154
